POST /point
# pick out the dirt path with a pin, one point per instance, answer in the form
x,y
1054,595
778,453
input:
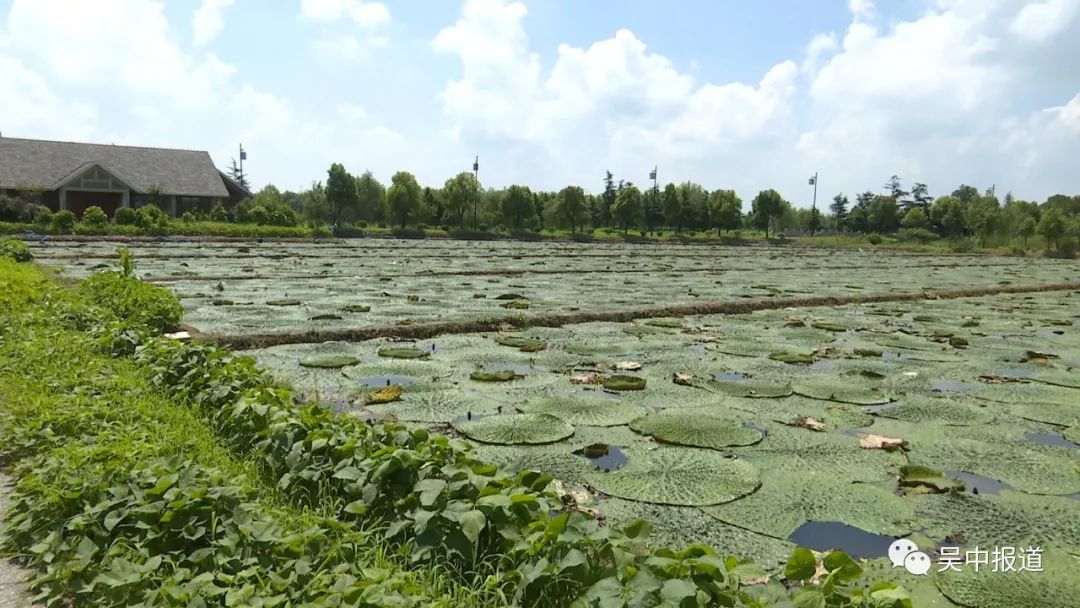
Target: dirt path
x,y
13,577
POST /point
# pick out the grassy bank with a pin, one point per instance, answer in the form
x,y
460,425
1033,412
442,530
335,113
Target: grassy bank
x,y
156,472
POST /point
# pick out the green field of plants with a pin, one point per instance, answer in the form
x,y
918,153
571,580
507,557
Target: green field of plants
x,y
898,410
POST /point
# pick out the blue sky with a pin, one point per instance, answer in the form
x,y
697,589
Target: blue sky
x,y
743,95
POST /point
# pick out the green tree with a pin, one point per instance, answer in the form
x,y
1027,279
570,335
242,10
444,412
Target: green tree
x,y
607,199
672,206
370,198
883,215
813,221
915,219
462,196
920,196
965,194
518,209
571,205
340,190
403,197
95,216
948,213
627,209
982,215
726,207
766,206
1025,229
839,208
694,204
432,208
1052,227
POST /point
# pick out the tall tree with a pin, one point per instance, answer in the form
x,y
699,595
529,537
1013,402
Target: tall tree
x,y
766,206
672,206
340,190
839,208
371,197
694,202
965,194
982,216
432,206
915,219
628,207
461,194
572,205
607,199
813,221
517,207
920,196
403,197
948,213
883,215
726,210
1052,227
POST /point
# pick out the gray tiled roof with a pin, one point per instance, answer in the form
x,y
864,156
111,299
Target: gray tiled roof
x,y
43,164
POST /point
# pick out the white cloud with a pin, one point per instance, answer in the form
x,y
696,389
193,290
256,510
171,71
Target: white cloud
x,y
366,14
862,10
1041,21
29,105
207,21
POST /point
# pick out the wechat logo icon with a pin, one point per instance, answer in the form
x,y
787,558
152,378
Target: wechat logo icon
x,y
904,554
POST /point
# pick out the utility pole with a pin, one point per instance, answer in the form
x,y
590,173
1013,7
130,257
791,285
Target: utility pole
x,y
476,201
655,192
813,182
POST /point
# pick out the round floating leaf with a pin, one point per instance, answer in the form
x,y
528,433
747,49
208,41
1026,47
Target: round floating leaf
x,y
1038,469
905,341
829,326
525,344
795,491
1068,378
584,410
503,375
403,353
828,390
1008,518
623,382
792,358
284,302
666,323
326,317
510,296
330,361
918,476
689,427
515,304
749,388
516,429
1072,434
356,308
678,476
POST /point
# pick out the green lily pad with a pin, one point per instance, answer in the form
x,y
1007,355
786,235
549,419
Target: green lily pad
x,y
583,410
1068,378
624,382
678,476
515,429
516,305
796,490
1072,434
749,388
792,358
829,326
1058,584
403,353
510,296
521,342
918,476
503,375
283,302
330,361
356,308
827,390
690,427
666,323
326,317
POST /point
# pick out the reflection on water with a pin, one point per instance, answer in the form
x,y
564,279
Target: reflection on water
x,y
977,484
1052,439
606,457
826,535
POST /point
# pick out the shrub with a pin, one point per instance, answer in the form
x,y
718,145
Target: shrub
x,y
151,218
142,304
43,217
15,250
873,239
95,216
188,217
444,228
382,224
126,216
63,221
362,224
218,213
408,233
962,246
921,235
13,209
421,226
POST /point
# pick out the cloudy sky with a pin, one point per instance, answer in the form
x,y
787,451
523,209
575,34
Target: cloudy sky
x,y
548,93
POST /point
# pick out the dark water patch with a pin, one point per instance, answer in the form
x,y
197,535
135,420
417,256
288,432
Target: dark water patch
x,y
1052,439
728,376
856,542
473,417
892,354
524,370
1015,372
953,387
384,381
605,457
978,484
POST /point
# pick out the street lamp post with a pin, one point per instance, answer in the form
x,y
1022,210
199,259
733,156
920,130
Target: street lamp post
x,y
476,201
